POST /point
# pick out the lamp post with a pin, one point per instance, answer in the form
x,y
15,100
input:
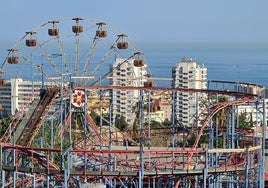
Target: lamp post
x,y
61,106
40,67
42,89
68,73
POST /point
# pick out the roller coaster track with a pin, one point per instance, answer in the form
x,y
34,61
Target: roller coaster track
x,y
20,118
25,127
93,129
212,113
29,126
36,119
164,89
25,136
215,108
36,155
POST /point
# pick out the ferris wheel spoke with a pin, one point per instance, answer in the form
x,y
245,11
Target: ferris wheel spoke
x,y
64,58
11,51
99,35
112,70
76,69
51,60
26,60
100,64
60,51
77,29
89,59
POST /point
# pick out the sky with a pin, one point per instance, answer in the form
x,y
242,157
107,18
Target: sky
x,y
147,20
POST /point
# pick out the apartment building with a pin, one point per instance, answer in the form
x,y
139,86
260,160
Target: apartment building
x,y
161,107
5,98
17,94
187,74
22,94
126,73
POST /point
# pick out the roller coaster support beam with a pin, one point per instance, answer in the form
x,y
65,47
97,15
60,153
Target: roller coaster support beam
x,y
149,131
141,116
173,120
101,118
205,171
1,164
247,168
262,154
233,126
110,133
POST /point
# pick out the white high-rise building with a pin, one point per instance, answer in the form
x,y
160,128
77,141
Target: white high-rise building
x,y
17,94
189,75
126,74
22,94
5,98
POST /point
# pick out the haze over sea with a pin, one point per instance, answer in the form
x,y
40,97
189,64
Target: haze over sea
x,y
239,62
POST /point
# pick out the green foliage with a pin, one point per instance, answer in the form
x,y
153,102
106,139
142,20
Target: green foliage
x,y
120,123
219,142
95,117
45,133
5,114
4,125
166,123
204,139
154,124
222,114
244,122
222,99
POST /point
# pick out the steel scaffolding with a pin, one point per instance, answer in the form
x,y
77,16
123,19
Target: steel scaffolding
x,y
93,152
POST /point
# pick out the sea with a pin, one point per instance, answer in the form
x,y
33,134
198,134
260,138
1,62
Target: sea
x,y
236,62
225,61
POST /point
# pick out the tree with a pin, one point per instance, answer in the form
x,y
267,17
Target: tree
x,y
222,114
4,125
95,117
244,122
5,114
120,122
167,123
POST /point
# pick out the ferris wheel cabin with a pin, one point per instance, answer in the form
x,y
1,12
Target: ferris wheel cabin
x,y
54,31
31,42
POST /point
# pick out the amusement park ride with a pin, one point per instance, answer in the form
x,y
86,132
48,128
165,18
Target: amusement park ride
x,y
57,143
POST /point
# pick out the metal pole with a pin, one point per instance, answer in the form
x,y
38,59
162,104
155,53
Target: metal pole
x,y
52,138
141,174
14,165
85,134
173,120
247,168
47,158
262,156
1,157
205,171
42,76
1,166
70,109
101,122
149,122
149,132
233,127
32,76
61,111
61,106
110,119
110,134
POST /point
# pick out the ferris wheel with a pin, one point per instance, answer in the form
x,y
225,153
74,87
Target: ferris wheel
x,y
77,48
